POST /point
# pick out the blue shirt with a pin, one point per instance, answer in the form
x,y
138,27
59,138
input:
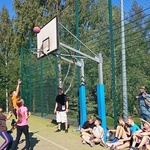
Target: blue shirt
x,y
144,109
148,97
134,128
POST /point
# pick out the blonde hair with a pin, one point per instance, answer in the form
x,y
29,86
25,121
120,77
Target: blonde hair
x,y
90,117
120,118
131,117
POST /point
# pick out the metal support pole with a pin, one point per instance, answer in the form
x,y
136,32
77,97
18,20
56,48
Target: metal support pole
x,y
77,35
82,72
124,79
82,97
101,97
77,47
100,70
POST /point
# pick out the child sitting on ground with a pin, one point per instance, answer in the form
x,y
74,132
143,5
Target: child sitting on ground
x,y
125,142
122,130
141,137
97,134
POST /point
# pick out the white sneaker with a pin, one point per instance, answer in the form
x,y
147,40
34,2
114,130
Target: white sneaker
x,y
92,144
109,144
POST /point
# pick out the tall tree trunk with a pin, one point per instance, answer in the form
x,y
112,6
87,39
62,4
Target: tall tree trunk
x,y
6,79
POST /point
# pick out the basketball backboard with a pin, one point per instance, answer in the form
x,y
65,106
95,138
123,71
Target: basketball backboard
x,y
47,38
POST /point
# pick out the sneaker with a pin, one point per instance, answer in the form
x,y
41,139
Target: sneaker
x,y
58,130
109,144
66,131
103,144
92,144
83,142
114,140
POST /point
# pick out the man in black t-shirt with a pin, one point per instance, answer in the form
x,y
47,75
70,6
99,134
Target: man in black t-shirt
x,y
87,127
61,110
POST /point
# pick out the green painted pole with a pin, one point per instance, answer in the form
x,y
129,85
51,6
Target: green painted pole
x,y
41,87
56,75
22,71
112,61
77,23
30,96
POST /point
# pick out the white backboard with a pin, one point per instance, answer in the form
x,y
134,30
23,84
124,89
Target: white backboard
x,y
47,38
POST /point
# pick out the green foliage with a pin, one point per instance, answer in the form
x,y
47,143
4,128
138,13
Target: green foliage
x,y
40,77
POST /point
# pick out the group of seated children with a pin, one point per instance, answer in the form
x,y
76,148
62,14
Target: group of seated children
x,y
127,134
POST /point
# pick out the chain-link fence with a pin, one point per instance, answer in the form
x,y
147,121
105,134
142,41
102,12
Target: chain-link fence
x,y
101,32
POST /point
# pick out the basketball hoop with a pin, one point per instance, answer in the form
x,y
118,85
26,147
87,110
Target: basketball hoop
x,y
38,52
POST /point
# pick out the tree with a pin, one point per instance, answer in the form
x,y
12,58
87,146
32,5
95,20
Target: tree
x,y
136,16
6,36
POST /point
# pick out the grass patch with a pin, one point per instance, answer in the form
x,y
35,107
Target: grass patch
x,y
110,121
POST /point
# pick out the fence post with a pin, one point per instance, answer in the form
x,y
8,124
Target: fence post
x,y
112,61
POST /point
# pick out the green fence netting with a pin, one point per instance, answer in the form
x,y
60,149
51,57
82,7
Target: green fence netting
x,y
101,31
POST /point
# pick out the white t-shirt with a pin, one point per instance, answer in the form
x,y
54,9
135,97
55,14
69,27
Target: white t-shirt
x,y
98,130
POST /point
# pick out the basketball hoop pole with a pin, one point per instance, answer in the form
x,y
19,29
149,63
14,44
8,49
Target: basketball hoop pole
x,y
48,42
82,97
101,96
100,88
82,89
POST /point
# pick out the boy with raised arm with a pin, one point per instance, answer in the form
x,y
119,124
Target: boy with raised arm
x,y
15,97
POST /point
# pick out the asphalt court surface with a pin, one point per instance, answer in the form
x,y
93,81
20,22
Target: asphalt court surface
x,y
43,137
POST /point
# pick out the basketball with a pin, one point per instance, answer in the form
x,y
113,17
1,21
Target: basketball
x,y
36,29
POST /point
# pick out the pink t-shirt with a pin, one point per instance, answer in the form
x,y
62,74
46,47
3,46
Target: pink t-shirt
x,y
24,120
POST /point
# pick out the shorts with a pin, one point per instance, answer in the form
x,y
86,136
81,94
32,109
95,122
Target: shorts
x,y
61,116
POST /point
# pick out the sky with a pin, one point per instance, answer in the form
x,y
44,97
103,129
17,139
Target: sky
x,y
9,5
127,4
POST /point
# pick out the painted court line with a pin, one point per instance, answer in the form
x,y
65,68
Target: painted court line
x,y
51,142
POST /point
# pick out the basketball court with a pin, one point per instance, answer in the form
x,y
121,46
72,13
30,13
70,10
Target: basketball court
x,y
43,137
42,131
48,42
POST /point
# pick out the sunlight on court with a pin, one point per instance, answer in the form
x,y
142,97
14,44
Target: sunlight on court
x,y
43,137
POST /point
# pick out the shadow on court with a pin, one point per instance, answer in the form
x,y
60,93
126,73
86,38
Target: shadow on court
x,y
43,136
33,141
